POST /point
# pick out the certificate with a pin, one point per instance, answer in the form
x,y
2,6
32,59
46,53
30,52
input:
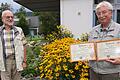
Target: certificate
x,y
108,49
84,51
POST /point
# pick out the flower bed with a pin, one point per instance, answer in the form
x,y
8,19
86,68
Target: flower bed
x,y
55,62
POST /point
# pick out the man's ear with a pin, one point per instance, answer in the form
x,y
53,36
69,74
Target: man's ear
x,y
2,19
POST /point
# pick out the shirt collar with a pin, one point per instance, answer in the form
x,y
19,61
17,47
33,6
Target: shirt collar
x,y
109,28
13,27
4,27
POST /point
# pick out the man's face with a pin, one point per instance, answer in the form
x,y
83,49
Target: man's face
x,y
8,19
104,15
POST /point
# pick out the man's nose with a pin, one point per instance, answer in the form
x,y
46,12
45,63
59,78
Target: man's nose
x,y
101,14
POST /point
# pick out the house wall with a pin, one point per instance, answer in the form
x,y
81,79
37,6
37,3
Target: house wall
x,y
77,15
33,25
34,21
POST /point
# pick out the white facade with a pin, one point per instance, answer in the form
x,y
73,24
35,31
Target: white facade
x,y
77,15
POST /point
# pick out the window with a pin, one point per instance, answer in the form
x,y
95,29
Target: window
x,y
118,1
95,20
118,16
98,1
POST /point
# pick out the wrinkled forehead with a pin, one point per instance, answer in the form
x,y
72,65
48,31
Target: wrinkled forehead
x,y
101,8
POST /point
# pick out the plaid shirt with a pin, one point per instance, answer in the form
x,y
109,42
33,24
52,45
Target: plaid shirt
x,y
19,43
8,37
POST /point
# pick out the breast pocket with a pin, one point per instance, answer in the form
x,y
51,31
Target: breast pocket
x,y
18,43
110,35
95,37
18,40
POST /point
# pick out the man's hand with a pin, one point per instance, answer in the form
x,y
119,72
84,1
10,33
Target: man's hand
x,y
24,64
24,61
114,61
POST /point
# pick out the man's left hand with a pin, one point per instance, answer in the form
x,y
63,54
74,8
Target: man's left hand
x,y
24,64
114,61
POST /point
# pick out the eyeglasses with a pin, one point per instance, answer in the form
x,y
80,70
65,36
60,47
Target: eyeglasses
x,y
103,12
8,17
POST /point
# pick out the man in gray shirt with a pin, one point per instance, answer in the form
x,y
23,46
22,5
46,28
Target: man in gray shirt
x,y
106,30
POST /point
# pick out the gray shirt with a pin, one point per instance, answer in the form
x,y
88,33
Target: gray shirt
x,y
111,32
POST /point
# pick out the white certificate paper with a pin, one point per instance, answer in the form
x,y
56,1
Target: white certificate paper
x,y
84,51
109,49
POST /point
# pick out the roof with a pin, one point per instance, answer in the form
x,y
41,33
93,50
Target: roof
x,y
40,5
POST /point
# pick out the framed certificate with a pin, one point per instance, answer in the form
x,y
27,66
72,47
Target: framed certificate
x,y
108,49
85,51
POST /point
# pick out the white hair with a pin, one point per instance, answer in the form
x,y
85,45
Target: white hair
x,y
105,3
6,11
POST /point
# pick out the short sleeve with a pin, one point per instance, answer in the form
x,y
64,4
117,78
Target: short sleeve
x,y
24,41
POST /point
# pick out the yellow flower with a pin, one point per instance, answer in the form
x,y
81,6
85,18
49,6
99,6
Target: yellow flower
x,y
56,69
56,58
71,71
57,74
41,75
51,77
41,67
85,66
65,67
76,67
79,62
64,60
66,75
83,78
73,76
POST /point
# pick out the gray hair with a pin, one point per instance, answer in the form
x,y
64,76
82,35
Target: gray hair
x,y
105,3
6,11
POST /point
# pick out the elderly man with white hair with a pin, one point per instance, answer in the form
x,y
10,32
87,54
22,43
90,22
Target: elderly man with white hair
x,y
12,48
107,29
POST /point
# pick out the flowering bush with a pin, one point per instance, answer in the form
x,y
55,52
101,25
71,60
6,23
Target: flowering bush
x,y
56,65
84,37
62,32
